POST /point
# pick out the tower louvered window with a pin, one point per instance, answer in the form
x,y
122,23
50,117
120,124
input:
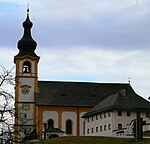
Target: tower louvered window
x,y
26,67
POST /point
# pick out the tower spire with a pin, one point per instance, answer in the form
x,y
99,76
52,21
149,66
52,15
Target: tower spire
x,y
28,9
26,44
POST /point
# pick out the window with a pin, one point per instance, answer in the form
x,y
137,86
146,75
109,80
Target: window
x,y
147,114
109,114
101,128
50,123
104,127
92,118
109,126
96,129
144,122
88,119
119,113
100,116
96,117
68,127
128,113
88,131
119,126
104,115
92,130
25,115
26,67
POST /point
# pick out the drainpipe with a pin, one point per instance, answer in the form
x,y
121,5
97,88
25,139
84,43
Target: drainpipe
x,y
44,126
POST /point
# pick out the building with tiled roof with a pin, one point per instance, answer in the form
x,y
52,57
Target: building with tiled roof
x,y
115,115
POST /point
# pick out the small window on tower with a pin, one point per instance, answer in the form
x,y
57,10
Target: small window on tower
x,y
26,67
25,115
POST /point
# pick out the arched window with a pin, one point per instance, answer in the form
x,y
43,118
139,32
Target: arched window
x,y
26,67
50,123
68,127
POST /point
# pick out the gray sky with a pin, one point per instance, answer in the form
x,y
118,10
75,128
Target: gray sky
x,y
83,40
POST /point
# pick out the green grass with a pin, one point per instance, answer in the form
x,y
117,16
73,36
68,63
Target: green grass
x,y
146,133
92,140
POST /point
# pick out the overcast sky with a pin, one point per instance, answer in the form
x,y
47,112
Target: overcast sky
x,y
83,40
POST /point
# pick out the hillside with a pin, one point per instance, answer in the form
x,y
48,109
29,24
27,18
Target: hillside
x,y
92,140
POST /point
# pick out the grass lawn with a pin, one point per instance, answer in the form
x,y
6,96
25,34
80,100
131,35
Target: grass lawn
x,y
92,140
146,133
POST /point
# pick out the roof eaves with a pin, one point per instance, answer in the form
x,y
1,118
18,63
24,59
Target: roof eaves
x,y
88,114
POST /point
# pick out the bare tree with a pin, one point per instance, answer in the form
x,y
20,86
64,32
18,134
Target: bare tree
x,y
8,133
6,105
25,131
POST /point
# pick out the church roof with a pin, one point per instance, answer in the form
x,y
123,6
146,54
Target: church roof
x,y
81,94
120,102
26,44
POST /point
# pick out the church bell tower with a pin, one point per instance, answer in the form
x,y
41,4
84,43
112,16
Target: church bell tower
x,y
26,85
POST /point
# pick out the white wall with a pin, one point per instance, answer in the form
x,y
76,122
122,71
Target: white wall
x,y
98,123
82,125
72,116
51,115
114,120
29,114
65,116
30,96
146,127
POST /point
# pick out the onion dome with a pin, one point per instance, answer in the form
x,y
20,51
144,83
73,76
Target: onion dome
x,y
26,44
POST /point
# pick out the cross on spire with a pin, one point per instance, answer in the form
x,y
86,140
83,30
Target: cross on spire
x,y
28,8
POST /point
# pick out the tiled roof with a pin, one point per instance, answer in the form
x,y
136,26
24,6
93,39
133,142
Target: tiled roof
x,y
76,93
117,101
54,130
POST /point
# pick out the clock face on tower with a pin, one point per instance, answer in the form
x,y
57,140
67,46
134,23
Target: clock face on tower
x,y
25,89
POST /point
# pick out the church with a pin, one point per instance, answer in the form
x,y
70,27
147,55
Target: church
x,y
54,106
